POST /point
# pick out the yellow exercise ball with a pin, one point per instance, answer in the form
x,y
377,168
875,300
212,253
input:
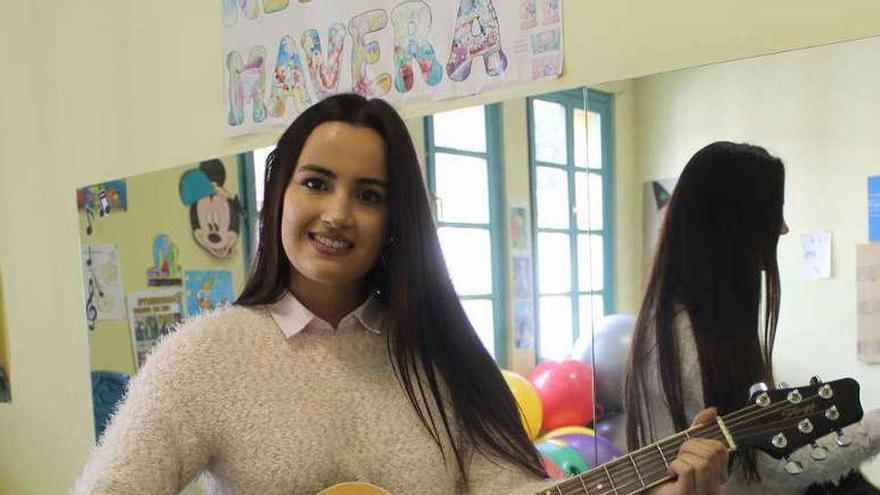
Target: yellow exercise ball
x,y
528,401
568,430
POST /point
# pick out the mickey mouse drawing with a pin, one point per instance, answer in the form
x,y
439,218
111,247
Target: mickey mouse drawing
x,y
214,214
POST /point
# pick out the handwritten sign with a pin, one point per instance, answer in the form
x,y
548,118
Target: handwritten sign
x,y
281,56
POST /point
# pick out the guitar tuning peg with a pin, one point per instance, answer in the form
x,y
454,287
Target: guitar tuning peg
x,y
758,387
816,381
843,439
793,467
818,453
783,385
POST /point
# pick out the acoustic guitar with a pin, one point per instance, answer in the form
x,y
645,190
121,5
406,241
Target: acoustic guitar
x,y
778,422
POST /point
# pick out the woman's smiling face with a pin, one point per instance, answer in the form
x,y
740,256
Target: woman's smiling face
x,y
334,216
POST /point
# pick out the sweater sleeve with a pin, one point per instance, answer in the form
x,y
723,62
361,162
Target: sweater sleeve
x,y
153,444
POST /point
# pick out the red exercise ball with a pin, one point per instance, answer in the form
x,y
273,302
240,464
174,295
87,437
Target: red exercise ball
x,y
566,392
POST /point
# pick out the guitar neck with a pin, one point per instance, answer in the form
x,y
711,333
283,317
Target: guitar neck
x,y
637,471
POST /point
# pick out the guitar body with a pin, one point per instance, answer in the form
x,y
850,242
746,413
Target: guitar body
x,y
354,489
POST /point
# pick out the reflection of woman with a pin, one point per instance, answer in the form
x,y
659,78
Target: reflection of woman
x,y
347,356
702,337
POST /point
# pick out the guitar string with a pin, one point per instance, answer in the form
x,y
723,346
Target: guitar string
x,y
740,417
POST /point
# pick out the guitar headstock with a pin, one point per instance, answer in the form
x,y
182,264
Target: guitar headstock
x,y
780,421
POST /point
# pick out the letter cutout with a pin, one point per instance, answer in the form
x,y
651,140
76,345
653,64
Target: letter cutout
x,y
364,53
477,34
325,71
246,85
412,24
251,9
271,6
289,81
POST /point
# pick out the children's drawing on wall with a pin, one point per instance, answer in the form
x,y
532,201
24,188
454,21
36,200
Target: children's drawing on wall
x,y
551,12
207,290
102,276
519,241
522,277
215,215
477,34
816,255
166,263
546,41
152,314
523,324
545,45
101,199
657,194
528,14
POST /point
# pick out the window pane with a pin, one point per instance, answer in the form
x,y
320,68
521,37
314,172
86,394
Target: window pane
x,y
580,137
463,129
552,198
594,139
554,263
549,122
592,306
462,184
589,213
555,327
260,157
468,255
594,258
480,313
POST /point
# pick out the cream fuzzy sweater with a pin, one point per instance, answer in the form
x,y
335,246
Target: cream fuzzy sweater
x,y
775,480
230,398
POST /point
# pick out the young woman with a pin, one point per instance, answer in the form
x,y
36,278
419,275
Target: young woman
x,y
706,327
347,356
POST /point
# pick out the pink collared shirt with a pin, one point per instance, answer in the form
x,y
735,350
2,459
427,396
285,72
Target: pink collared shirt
x,y
292,317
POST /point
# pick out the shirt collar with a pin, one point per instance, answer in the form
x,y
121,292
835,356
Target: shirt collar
x,y
292,317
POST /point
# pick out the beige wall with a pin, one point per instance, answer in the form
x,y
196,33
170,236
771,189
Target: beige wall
x,y
819,111
102,89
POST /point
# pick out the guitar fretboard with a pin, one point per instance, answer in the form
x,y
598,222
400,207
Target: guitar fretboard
x,y
634,472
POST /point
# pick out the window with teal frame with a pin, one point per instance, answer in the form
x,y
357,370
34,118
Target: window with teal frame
x,y
464,178
572,179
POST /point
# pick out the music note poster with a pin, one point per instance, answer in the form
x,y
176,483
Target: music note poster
x,y
102,279
152,314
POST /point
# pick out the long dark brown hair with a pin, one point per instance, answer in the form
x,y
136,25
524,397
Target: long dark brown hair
x,y
718,238
432,345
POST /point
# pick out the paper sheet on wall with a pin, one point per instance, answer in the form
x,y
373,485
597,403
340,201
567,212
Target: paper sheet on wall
x,y
868,302
102,279
874,208
207,290
152,314
280,57
816,255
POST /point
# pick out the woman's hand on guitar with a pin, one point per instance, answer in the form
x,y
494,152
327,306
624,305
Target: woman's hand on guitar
x,y
701,465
